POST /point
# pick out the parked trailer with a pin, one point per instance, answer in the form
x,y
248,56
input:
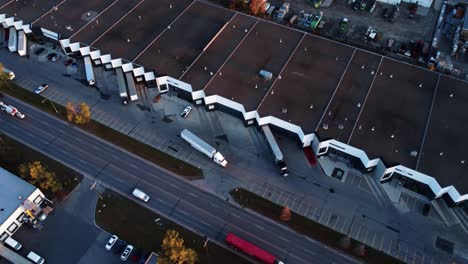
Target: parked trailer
x,y
205,148
278,155
122,86
89,71
131,86
251,249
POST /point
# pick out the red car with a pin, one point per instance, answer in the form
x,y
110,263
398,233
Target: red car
x,y
68,62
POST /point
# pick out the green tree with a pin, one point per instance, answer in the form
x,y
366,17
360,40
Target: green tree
x,y
38,175
174,250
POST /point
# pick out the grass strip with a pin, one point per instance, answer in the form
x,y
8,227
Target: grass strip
x,y
312,229
136,225
126,142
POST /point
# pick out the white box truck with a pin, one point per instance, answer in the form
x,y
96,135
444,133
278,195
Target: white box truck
x,y
89,71
200,145
13,243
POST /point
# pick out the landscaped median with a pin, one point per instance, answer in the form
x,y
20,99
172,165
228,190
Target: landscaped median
x,y
145,229
311,228
126,142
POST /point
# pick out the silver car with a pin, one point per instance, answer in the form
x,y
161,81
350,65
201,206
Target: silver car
x,y
128,250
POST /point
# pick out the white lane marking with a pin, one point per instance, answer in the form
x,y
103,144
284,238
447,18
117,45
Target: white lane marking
x,y
79,140
44,122
214,205
194,195
161,201
233,214
203,222
173,185
287,240
60,130
95,147
260,227
115,157
82,161
183,212
132,165
309,251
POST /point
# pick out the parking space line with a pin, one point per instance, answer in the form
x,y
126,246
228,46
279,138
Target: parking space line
x,y
336,223
373,240
279,196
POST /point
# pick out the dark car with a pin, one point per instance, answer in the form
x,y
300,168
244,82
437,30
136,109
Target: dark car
x,y
53,57
39,51
119,247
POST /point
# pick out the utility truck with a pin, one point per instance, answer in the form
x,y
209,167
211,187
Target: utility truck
x,y
200,145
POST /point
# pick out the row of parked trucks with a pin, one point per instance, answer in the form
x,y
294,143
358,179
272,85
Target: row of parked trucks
x,y
125,81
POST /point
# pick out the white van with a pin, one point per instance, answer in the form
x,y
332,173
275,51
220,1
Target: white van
x,y
13,243
36,258
140,195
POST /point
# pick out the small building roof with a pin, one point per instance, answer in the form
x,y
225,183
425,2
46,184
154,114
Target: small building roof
x,y
13,192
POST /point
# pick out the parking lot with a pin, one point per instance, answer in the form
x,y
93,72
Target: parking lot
x,y
69,235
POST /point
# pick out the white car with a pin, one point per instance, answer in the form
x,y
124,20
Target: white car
x,y
128,250
111,242
19,115
55,57
186,111
41,88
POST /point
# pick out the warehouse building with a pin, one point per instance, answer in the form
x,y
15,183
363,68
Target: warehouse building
x,y
380,115
20,202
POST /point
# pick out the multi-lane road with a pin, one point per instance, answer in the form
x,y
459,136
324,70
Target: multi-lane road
x,y
172,196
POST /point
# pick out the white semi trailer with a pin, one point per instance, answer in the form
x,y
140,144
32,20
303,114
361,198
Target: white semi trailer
x,y
131,86
89,71
122,86
200,145
275,149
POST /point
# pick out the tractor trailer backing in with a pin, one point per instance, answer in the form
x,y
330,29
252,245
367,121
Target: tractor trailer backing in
x,y
278,155
200,145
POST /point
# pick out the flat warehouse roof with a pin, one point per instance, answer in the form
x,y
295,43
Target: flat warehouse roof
x,y
218,51
175,50
307,83
342,113
72,15
393,119
29,10
267,47
138,29
445,154
104,21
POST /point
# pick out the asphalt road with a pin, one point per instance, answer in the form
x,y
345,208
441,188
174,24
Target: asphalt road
x,y
172,196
